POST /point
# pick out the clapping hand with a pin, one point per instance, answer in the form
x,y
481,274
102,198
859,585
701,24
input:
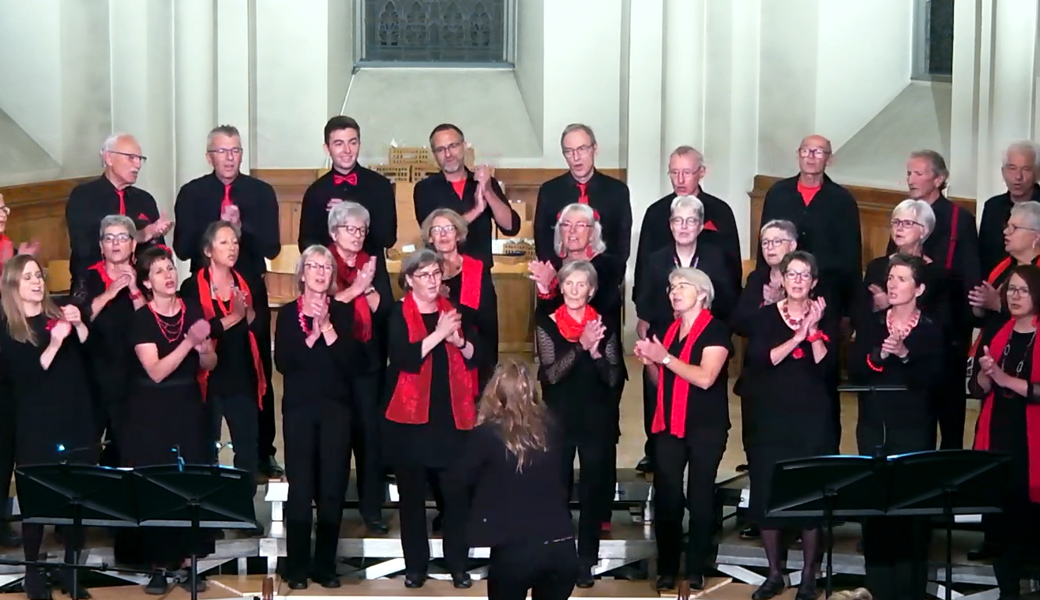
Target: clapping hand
x,y
159,228
232,214
591,335
455,338
71,314
239,303
812,319
333,202
984,296
986,362
198,332
60,331
542,273
366,273
880,297
29,247
448,322
651,349
893,346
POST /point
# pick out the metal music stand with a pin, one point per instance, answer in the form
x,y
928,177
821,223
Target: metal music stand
x,y
948,483
196,497
77,496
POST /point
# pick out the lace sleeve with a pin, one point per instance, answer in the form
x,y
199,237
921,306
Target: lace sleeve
x,y
609,363
555,366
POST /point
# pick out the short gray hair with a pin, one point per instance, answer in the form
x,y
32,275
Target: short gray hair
x,y
689,151
698,279
688,202
461,228
347,210
228,130
922,211
117,221
586,211
109,144
1023,146
1030,210
306,255
937,162
415,261
579,266
781,224
578,127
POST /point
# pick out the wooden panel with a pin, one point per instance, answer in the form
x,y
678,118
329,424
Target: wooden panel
x,y
289,185
875,213
38,213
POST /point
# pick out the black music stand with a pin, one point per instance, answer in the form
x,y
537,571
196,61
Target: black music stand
x,y
76,495
196,497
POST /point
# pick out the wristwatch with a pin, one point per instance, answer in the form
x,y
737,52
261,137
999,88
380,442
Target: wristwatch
x,y
667,359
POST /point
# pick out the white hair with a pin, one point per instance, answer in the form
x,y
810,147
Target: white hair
x,y
1023,146
589,216
109,144
347,210
782,225
922,212
1030,210
688,202
698,279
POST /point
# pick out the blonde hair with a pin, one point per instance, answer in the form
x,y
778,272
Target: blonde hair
x,y
461,228
11,302
317,250
698,279
856,594
512,401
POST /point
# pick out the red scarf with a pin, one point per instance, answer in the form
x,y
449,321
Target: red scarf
x,y
472,278
681,387
100,268
410,403
206,299
345,276
1004,265
982,428
570,328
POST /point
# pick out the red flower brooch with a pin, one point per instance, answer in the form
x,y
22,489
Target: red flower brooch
x,y
797,353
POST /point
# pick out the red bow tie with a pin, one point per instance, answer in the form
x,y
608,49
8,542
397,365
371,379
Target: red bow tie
x,y
348,179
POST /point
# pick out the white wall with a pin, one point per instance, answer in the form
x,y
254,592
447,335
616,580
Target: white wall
x,y
340,52
86,99
530,60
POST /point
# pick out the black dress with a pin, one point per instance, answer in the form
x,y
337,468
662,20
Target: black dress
x,y
579,392
162,416
791,402
484,317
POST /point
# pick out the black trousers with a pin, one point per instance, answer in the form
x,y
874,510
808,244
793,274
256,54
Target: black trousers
x,y
241,412
317,465
949,399
649,406
895,553
548,569
415,539
1016,530
365,442
7,444
702,452
108,410
596,483
261,328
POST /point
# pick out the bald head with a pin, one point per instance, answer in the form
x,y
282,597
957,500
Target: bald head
x,y
121,156
814,154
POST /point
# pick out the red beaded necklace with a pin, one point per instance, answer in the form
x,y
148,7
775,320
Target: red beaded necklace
x,y
303,321
171,332
902,332
786,314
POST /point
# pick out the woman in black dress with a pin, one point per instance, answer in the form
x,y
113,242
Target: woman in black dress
x,y
108,295
235,388
363,284
1007,377
579,367
432,388
41,352
512,464
897,346
317,365
467,282
165,410
791,346
687,361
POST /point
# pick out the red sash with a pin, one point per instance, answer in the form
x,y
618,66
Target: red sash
x,y
345,276
206,299
1002,266
982,428
570,328
410,403
100,268
472,279
681,387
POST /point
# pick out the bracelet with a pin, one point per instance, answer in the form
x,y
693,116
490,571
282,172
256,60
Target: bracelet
x,y
327,328
135,295
819,335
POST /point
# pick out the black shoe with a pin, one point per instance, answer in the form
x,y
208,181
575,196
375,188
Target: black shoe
x,y
807,590
742,468
201,585
414,580
438,522
8,538
35,585
750,532
376,526
461,581
770,588
665,582
296,584
157,585
585,578
65,584
270,468
645,466
696,581
327,581
985,551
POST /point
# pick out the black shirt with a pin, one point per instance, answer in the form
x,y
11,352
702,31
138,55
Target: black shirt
x,y
828,228
607,196
91,202
373,191
234,373
437,192
995,214
198,205
321,372
706,410
653,304
720,230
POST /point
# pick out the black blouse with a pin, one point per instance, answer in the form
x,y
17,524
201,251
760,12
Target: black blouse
x,y
935,302
234,373
109,350
146,330
706,410
321,371
654,305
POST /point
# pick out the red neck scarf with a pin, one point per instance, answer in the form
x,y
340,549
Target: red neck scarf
x,y
982,429
570,328
100,268
410,403
681,387
1004,265
345,276
472,278
206,299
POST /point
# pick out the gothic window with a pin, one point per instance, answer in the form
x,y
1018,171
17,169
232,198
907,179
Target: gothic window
x,y
436,31
933,39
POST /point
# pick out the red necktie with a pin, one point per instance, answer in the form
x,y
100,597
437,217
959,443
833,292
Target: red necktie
x,y
122,202
347,179
583,196
226,202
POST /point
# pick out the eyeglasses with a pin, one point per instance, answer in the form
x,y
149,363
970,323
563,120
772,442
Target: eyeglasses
x,y
1012,228
442,229
689,222
428,276
226,151
1017,291
773,242
452,147
684,172
798,275
682,285
132,157
579,226
319,267
353,230
116,238
579,151
812,152
903,223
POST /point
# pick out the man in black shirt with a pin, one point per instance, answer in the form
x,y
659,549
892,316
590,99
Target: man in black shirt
x,y
1019,168
582,183
226,194
348,181
476,196
112,194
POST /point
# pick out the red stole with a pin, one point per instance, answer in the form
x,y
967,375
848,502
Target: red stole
x,y
206,299
570,328
472,278
681,387
982,428
100,268
345,276
410,403
1002,266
